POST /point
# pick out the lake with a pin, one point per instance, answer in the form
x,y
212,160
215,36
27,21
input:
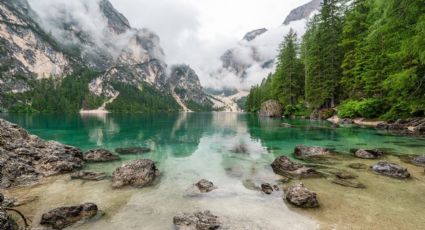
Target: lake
x,y
192,146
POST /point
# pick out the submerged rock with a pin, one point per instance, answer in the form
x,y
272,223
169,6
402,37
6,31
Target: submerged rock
x,y
344,175
100,155
391,170
138,173
305,152
368,154
5,222
271,108
197,221
419,161
267,188
285,167
242,148
63,217
205,186
88,175
300,196
348,183
358,166
25,158
132,150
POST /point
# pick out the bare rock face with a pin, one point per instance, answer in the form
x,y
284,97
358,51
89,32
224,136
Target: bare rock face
x,y
368,154
306,152
138,173
303,12
100,155
271,108
285,167
88,175
197,221
300,196
63,217
391,170
25,158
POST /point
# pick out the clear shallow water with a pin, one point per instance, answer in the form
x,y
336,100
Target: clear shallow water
x,y
192,146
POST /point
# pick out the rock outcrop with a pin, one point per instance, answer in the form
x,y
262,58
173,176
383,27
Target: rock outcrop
x,y
285,167
63,217
391,170
138,173
25,158
307,152
100,155
271,108
300,196
197,221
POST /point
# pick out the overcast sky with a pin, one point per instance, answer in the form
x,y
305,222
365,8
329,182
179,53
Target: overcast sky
x,y
197,32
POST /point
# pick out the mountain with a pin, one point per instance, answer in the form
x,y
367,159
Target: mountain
x,y
95,52
303,12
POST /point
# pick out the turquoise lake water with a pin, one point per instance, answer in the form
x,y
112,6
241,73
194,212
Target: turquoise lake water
x,y
191,146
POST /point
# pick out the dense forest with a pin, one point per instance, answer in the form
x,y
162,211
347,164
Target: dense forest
x,y
366,58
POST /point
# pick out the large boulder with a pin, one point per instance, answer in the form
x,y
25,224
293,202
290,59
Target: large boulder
x,y
368,154
391,170
138,173
63,217
306,152
197,221
271,108
300,196
100,155
285,167
25,158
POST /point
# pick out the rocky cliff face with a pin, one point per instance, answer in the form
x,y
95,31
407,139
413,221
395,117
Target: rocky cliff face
x,y
185,84
253,34
36,45
303,12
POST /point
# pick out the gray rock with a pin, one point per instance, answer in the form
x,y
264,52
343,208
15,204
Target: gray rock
x,y
271,108
285,167
368,154
138,173
300,196
306,152
205,186
25,158
197,221
88,175
254,34
391,170
63,217
132,150
100,155
419,161
267,188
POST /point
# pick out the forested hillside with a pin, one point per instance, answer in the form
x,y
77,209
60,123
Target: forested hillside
x,y
366,58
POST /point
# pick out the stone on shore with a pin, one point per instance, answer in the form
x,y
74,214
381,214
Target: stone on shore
x,y
368,154
307,152
88,175
100,155
25,158
391,170
63,217
197,221
137,173
285,167
132,150
271,108
300,196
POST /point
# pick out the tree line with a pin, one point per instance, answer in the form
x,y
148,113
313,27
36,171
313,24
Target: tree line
x,y
366,58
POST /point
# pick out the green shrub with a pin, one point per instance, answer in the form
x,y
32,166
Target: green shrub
x,y
367,108
290,110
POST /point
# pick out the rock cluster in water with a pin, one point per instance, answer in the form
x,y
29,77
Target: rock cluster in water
x,y
63,217
407,126
285,167
26,158
138,173
203,220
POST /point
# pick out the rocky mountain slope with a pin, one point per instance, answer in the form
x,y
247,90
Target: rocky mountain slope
x,y
303,12
36,46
